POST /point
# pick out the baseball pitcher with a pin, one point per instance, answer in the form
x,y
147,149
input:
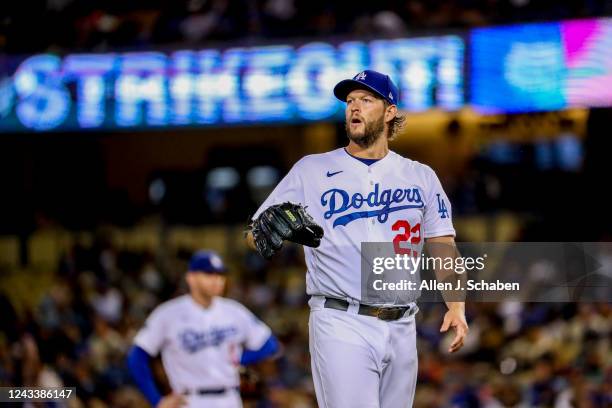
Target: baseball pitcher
x,y
363,355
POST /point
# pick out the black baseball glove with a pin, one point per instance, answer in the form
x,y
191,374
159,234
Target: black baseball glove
x,y
284,222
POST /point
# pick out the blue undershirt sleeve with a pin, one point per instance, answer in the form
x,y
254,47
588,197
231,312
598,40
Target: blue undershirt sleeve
x,y
138,364
269,348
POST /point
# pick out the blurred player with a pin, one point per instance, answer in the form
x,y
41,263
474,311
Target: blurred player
x,y
203,338
362,355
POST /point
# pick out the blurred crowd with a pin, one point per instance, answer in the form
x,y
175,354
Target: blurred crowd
x,y
55,25
516,355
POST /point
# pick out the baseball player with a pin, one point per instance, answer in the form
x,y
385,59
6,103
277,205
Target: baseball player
x,y
362,355
203,338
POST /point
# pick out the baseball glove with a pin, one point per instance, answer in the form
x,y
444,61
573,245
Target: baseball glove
x,y
284,222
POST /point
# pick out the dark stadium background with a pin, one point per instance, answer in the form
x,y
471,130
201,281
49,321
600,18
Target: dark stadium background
x,y
96,226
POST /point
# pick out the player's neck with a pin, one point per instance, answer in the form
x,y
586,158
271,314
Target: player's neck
x,y
378,150
204,301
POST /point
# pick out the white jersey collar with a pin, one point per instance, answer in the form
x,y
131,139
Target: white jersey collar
x,y
379,163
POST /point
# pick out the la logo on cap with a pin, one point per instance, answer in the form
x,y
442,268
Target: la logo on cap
x,y
390,95
361,76
216,261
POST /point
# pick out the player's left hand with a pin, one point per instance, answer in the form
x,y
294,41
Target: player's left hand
x,y
172,401
456,320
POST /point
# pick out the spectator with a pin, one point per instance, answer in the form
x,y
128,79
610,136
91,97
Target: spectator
x,y
79,24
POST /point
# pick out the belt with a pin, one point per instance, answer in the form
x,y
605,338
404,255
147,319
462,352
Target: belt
x,y
209,391
383,313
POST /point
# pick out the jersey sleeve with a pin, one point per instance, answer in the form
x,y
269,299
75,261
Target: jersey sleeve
x,y
288,189
254,331
151,337
438,215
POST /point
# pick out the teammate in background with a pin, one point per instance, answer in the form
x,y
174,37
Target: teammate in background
x,y
362,355
203,339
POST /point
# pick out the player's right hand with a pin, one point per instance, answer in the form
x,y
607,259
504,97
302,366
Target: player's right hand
x,y
282,222
172,401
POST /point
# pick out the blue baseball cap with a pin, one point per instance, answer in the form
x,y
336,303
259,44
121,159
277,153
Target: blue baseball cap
x,y
372,81
206,261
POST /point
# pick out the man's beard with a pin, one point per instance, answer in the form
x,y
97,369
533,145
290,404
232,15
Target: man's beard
x,y
372,131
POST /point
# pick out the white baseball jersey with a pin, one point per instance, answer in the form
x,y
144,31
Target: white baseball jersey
x,y
393,200
201,347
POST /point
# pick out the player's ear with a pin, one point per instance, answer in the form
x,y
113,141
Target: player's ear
x,y
390,112
188,277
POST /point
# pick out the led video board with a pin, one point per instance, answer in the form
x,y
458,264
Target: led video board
x,y
218,87
518,68
537,67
